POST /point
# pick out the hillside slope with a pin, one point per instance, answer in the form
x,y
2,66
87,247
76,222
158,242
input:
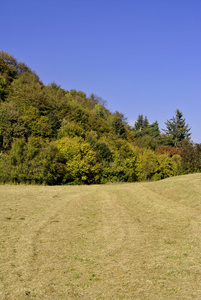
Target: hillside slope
x,y
119,241
52,136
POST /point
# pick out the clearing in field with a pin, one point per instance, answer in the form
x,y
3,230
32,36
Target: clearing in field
x,y
122,241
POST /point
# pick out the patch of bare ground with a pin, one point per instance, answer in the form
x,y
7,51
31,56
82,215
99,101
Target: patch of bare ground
x,y
126,241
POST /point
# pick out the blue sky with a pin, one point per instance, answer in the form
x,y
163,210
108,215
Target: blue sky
x,y
142,56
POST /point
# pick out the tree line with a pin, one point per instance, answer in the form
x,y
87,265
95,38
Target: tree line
x,y
49,135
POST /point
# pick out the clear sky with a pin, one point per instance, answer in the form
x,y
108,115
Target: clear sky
x,y
142,56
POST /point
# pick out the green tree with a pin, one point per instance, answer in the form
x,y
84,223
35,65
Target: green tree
x,y
11,125
140,126
103,151
153,130
82,165
10,68
191,157
35,123
27,90
147,165
70,129
168,166
177,129
99,111
118,122
4,90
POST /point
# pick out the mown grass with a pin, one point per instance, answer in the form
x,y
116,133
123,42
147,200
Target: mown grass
x,y
126,241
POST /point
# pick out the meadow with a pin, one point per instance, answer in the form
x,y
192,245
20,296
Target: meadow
x,y
114,241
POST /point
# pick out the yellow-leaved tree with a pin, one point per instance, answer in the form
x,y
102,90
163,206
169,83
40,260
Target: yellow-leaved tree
x,y
82,165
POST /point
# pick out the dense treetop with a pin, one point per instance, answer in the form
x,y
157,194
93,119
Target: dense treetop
x,y
53,136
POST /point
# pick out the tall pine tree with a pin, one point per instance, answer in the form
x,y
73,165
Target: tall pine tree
x,y
177,129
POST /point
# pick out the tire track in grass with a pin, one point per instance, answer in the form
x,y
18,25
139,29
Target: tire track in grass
x,y
24,255
84,240
103,242
54,239
120,245
170,245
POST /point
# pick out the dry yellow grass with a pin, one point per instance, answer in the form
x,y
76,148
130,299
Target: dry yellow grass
x,y
126,241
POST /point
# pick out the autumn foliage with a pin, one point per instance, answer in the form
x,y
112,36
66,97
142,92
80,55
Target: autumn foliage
x,y
49,135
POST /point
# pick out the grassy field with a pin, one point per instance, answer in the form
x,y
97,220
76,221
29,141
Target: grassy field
x,y
121,241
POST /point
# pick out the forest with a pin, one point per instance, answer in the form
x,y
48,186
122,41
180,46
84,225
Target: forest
x,y
52,136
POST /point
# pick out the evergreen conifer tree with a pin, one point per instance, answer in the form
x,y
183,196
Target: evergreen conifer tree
x,y
177,129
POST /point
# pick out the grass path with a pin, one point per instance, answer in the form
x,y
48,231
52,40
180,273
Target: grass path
x,y
126,241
